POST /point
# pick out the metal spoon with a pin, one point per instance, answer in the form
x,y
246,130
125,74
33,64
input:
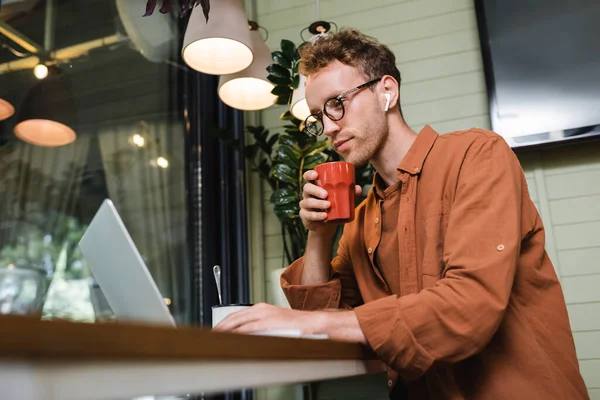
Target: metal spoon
x,y
217,273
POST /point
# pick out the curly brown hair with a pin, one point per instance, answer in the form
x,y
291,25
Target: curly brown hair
x,y
351,47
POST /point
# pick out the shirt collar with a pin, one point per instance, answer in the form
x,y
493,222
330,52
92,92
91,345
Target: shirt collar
x,y
414,159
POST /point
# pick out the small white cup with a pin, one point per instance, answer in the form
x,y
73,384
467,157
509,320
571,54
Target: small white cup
x,y
219,312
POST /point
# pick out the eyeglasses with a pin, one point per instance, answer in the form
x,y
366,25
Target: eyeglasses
x,y
333,109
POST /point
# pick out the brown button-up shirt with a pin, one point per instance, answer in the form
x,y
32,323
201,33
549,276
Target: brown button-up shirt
x,y
474,309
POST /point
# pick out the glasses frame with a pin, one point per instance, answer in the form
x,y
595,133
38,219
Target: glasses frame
x,y
319,116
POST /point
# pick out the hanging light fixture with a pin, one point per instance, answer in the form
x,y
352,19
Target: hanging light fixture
x,y
6,109
299,106
47,115
221,45
249,89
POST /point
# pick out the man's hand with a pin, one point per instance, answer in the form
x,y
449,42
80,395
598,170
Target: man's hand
x,y
264,316
339,325
314,205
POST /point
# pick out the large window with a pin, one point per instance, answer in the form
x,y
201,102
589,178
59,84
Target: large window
x,y
89,109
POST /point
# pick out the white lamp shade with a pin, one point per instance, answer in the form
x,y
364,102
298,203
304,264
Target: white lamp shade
x,y
299,107
6,109
44,133
249,89
48,114
222,45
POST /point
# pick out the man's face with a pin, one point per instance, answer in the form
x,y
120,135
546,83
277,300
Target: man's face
x,y
361,132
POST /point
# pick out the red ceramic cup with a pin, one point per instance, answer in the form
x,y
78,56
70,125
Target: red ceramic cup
x,y
338,179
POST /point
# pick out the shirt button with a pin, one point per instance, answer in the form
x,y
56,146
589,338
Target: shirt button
x,y
390,383
500,247
376,220
416,169
370,250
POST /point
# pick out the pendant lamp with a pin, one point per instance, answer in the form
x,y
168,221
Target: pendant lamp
x,y
249,89
299,106
6,109
48,114
222,45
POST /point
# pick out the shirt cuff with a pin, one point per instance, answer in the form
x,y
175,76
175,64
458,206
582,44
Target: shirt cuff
x,y
309,297
388,335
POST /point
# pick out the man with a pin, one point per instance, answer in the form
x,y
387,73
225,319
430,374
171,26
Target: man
x,y
443,272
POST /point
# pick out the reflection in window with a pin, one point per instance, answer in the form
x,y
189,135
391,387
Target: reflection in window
x,y
115,132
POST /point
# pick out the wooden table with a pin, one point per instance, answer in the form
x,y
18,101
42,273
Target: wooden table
x,y
66,360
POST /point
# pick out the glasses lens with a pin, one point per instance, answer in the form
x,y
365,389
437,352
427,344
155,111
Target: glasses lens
x,y
313,125
334,109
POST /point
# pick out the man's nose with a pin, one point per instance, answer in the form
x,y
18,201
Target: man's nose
x,y
330,128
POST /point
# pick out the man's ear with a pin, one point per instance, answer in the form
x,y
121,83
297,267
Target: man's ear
x,y
390,87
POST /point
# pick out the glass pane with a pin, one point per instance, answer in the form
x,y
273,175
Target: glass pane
x,y
104,123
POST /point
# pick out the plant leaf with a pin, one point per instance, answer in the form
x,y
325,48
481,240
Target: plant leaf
x,y
291,145
185,7
280,59
281,90
205,4
312,161
287,116
250,151
284,196
284,155
289,49
167,6
317,147
283,93
284,173
264,168
150,6
295,81
292,131
255,130
289,141
264,146
278,71
287,211
272,140
283,100
279,80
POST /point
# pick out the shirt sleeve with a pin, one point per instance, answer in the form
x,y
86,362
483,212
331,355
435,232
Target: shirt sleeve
x,y
458,316
340,292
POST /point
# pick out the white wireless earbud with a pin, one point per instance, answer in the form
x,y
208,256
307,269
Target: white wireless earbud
x,y
387,101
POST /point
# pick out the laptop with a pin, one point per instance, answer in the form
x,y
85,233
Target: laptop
x,y
120,270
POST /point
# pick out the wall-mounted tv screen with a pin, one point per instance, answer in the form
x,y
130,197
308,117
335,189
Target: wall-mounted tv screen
x,y
542,67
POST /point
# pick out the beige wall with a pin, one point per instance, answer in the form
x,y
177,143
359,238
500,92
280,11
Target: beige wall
x,y
437,50
565,185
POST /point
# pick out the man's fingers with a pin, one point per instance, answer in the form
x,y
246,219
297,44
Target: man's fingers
x,y
236,319
310,189
310,175
314,204
313,216
250,327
